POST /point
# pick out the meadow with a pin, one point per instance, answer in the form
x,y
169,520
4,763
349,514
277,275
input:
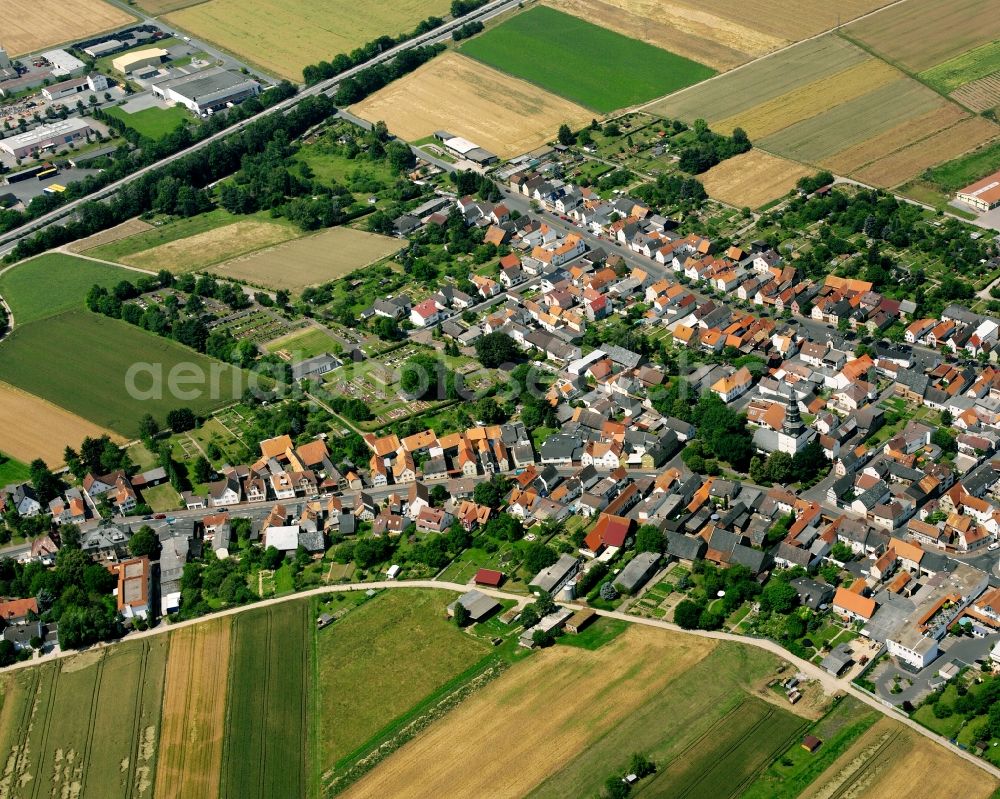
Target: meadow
x,y
310,260
283,36
153,123
12,470
302,344
369,673
628,72
53,283
32,25
503,114
79,361
965,68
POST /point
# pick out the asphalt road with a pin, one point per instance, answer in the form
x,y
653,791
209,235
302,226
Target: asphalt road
x,y
9,240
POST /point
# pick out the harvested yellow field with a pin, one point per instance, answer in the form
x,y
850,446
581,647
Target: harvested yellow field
x,y
211,247
543,712
311,260
720,33
791,21
921,34
911,161
504,115
709,38
752,179
283,36
809,100
194,711
32,25
130,228
34,428
852,158
889,760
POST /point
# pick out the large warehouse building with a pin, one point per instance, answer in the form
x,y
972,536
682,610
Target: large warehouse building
x,y
53,135
151,56
207,91
982,195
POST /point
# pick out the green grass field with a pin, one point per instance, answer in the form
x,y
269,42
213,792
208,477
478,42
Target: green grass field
x,y
582,62
266,730
80,361
12,471
729,755
380,661
960,172
962,69
598,633
53,283
153,123
303,344
82,722
173,230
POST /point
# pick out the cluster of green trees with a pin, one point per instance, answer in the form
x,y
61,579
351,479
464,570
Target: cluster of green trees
x,y
709,148
672,191
698,610
807,466
97,456
197,170
324,70
371,79
266,180
811,183
495,349
126,160
75,593
982,700
187,324
886,222
616,788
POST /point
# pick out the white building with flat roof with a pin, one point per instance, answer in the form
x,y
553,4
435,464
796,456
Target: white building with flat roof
x,y
48,136
63,64
206,91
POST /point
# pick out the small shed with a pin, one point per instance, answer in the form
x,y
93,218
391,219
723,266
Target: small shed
x,y
811,743
581,619
325,620
488,577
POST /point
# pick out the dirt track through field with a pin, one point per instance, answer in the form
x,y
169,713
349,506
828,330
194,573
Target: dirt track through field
x,y
518,730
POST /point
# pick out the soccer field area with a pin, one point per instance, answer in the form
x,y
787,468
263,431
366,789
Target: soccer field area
x,y
590,65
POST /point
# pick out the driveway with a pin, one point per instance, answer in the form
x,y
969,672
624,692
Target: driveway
x,y
964,650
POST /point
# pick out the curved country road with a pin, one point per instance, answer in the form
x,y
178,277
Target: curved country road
x,y
830,683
